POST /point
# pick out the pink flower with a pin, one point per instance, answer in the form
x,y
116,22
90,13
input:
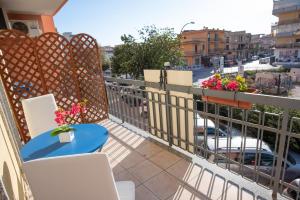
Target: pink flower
x,y
233,86
75,109
60,120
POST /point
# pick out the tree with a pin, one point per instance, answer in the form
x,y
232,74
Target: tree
x,y
105,61
154,47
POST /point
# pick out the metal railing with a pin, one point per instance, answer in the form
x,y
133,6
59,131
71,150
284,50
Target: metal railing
x,y
257,144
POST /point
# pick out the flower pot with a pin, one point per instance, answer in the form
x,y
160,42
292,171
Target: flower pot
x,y
66,136
229,102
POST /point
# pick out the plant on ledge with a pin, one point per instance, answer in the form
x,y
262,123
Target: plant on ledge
x,y
218,83
62,117
237,84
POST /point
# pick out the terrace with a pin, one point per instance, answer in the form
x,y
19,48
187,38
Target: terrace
x,y
156,139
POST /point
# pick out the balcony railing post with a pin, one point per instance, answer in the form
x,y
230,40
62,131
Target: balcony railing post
x,y
163,85
120,101
281,150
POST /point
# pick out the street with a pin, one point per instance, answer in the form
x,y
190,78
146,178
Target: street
x,y
203,73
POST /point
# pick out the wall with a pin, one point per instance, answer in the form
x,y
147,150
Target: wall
x,y
288,16
10,170
46,22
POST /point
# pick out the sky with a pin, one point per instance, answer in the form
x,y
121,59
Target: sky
x,y
107,20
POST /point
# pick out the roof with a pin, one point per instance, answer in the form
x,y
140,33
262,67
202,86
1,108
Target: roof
x,y
34,7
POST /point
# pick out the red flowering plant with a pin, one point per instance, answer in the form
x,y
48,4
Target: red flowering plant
x,y
62,117
216,82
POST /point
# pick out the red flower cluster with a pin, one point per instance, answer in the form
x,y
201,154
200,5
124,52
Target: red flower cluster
x,y
62,115
218,83
214,83
232,86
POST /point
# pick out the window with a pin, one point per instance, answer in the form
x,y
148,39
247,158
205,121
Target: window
x,y
266,159
297,40
227,39
197,61
196,48
227,47
203,47
216,36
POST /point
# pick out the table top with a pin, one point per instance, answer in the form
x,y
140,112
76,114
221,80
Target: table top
x,y
88,138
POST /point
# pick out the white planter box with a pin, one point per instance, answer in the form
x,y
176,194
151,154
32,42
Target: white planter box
x,y
66,136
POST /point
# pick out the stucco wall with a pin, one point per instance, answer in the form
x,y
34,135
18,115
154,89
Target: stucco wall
x,y
10,165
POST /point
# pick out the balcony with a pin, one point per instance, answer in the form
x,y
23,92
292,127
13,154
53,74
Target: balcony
x,y
285,6
291,21
293,45
286,30
170,122
164,137
193,53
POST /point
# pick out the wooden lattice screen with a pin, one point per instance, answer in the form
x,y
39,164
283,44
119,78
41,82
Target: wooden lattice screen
x,y
51,64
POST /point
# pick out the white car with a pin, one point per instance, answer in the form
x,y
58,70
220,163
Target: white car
x,y
210,127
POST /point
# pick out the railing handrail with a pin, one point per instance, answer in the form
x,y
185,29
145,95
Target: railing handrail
x,y
283,102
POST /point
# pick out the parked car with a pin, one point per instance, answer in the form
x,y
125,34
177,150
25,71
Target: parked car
x,y
210,128
264,60
255,57
232,149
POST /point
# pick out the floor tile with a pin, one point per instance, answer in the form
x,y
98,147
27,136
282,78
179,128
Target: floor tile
x,y
126,176
131,160
202,183
185,193
148,149
163,185
184,170
142,193
165,159
145,170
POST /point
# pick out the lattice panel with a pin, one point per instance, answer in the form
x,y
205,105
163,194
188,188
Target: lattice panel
x,y
54,55
91,83
20,73
50,64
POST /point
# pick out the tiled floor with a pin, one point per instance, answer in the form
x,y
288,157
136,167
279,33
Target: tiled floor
x,y
160,174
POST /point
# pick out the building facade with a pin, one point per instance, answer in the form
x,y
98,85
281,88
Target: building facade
x,y
201,45
29,17
68,35
237,45
108,52
262,44
287,30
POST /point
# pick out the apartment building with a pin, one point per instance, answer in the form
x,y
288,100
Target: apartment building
x,y
29,17
237,45
262,44
200,45
287,30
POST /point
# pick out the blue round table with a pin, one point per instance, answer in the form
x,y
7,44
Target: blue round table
x,y
88,138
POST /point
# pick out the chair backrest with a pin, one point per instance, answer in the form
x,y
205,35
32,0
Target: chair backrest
x,y
84,176
39,114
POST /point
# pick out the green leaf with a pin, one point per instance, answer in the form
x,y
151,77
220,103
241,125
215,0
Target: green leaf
x,y
61,129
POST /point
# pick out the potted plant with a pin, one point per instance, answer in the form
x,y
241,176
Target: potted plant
x,y
65,131
237,84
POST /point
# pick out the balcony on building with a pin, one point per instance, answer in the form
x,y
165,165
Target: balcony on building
x,y
284,6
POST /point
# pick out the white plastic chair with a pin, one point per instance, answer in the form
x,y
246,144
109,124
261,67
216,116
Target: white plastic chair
x,y
39,114
84,176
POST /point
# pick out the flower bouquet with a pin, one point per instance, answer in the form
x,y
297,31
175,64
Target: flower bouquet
x,y
65,132
237,84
